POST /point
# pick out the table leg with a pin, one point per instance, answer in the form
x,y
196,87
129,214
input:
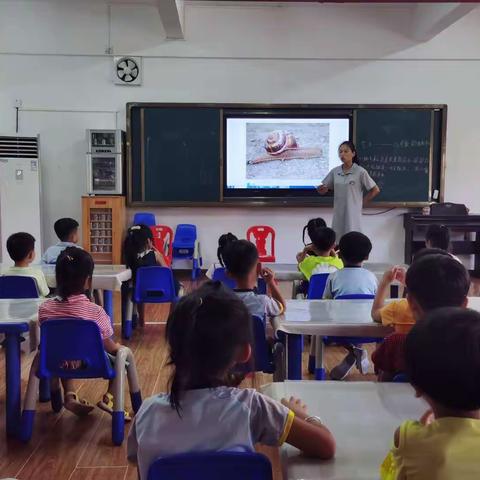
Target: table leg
x,y
294,357
108,303
320,373
13,401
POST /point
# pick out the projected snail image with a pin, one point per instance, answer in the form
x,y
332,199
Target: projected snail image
x,y
287,150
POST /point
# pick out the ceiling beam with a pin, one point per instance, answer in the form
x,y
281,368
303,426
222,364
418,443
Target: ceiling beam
x,y
172,16
429,20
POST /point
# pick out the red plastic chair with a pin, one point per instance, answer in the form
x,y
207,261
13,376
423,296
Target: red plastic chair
x,y
260,234
163,241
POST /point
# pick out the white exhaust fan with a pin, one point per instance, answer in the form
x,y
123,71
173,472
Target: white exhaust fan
x,y
127,71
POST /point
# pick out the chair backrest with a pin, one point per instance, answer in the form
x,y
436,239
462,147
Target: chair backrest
x,y
260,234
212,466
220,275
69,340
144,218
185,235
316,286
358,296
163,241
154,285
14,286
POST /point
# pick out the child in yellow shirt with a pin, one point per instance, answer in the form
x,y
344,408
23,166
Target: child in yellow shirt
x,y
397,313
444,369
320,255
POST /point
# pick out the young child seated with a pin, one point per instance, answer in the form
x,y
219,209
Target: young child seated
x,y
67,231
139,251
73,272
21,248
434,280
310,227
242,264
209,334
442,354
397,313
320,255
223,241
438,236
353,279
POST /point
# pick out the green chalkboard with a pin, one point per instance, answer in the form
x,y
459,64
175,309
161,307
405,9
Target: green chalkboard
x,y
180,152
395,146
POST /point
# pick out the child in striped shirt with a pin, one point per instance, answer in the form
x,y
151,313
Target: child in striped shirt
x,y
74,272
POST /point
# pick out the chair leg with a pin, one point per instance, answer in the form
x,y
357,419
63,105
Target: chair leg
x,y
56,395
28,414
127,321
44,390
133,383
320,373
118,416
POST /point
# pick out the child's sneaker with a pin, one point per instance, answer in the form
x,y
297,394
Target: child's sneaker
x,y
343,369
361,360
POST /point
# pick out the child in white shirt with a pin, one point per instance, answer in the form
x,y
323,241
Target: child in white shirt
x,y
209,334
21,248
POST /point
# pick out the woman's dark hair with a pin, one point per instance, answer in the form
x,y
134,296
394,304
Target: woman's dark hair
x,y
204,332
442,355
437,280
223,241
438,236
135,242
353,148
74,267
311,226
323,238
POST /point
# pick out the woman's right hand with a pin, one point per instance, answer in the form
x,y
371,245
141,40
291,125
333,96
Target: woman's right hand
x,y
322,189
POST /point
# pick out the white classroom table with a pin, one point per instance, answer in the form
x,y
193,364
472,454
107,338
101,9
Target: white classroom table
x,y
340,318
17,317
105,277
343,318
362,417
108,278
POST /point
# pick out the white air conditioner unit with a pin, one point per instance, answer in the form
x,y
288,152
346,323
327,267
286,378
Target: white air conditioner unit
x,y
127,71
19,191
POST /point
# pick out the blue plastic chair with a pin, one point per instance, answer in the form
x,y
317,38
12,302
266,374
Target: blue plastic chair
x,y
220,275
184,246
154,285
144,218
76,339
212,466
14,286
316,286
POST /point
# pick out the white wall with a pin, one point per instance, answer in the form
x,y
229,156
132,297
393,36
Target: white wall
x,y
52,58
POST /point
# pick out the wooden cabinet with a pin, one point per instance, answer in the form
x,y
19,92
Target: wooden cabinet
x,y
103,228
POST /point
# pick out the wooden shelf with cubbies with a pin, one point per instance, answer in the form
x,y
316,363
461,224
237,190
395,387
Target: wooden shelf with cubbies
x,y
103,228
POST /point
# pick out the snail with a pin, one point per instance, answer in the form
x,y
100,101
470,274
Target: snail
x,y
278,141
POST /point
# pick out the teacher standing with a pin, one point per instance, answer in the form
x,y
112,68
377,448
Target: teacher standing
x,y
349,182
